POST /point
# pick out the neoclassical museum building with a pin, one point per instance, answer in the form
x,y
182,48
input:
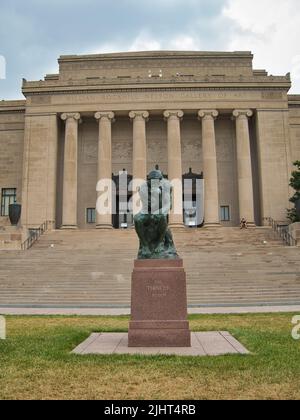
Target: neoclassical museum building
x,y
205,117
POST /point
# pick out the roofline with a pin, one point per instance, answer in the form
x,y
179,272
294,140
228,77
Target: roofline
x,y
294,100
294,97
12,106
157,55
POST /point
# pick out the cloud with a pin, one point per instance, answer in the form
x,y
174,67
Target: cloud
x,y
35,33
145,42
271,30
185,43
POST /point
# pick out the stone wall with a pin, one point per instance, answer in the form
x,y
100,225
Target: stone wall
x,y
156,154
40,170
227,168
158,64
152,81
87,169
294,114
11,153
274,162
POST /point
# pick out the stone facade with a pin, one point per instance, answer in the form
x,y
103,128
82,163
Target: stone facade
x,y
210,112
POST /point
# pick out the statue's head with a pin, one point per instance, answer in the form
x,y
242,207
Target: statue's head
x,y
155,174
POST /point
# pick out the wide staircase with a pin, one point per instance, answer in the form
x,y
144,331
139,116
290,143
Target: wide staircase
x,y
225,267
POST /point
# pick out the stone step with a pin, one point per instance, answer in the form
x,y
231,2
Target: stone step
x,y
224,266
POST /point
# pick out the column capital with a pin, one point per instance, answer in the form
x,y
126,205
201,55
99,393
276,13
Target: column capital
x,y
237,113
139,114
212,113
173,114
71,115
108,115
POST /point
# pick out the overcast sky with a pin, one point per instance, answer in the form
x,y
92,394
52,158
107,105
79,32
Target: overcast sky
x,y
33,33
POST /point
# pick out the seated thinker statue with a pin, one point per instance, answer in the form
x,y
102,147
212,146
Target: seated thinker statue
x,y
151,224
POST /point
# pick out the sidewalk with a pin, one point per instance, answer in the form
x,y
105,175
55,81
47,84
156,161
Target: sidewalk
x,y
126,311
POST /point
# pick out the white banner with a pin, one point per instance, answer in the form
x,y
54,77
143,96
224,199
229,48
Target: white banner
x,y
2,328
2,67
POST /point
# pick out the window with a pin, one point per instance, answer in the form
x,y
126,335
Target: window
x,y
91,216
225,214
9,196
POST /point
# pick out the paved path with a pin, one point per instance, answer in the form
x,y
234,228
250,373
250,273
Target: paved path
x,y
214,343
126,311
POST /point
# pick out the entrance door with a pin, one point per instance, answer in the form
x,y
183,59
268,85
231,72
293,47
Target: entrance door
x,y
193,199
123,219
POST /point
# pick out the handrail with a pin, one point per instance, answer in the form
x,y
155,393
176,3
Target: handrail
x,y
35,234
282,231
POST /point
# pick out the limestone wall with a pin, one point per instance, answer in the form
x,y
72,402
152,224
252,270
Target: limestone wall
x,y
87,169
294,116
227,168
156,154
274,162
126,66
11,152
39,170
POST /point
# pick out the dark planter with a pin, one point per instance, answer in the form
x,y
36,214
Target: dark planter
x,y
297,206
14,213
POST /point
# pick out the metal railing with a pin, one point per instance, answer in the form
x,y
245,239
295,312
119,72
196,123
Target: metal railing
x,y
35,234
282,230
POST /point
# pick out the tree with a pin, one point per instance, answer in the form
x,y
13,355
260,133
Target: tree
x,y
295,184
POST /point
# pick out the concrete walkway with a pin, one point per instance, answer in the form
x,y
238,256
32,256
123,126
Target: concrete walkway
x,y
126,311
214,343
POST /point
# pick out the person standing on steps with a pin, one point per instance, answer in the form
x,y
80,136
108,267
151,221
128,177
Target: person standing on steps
x,y
244,223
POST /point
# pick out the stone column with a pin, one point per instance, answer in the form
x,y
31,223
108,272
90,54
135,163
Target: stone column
x,y
175,165
139,119
69,219
211,197
104,221
244,167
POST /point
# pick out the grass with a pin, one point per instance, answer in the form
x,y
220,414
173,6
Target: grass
x,y
35,362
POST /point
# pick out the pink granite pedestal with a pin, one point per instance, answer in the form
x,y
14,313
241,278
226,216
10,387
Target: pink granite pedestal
x,y
159,305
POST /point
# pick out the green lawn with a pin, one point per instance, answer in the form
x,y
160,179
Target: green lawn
x,y
35,362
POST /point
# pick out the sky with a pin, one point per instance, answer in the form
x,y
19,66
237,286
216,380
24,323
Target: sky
x,y
34,33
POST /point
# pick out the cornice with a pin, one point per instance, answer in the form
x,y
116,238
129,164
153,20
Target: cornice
x,y
17,106
154,55
269,82
145,90
12,111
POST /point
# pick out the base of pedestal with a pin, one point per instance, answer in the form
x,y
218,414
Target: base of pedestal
x,y
159,305
159,334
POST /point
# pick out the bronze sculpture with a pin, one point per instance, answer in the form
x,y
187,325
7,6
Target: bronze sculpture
x,y
151,224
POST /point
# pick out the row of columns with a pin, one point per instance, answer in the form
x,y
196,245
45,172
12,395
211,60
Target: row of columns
x,y
173,118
